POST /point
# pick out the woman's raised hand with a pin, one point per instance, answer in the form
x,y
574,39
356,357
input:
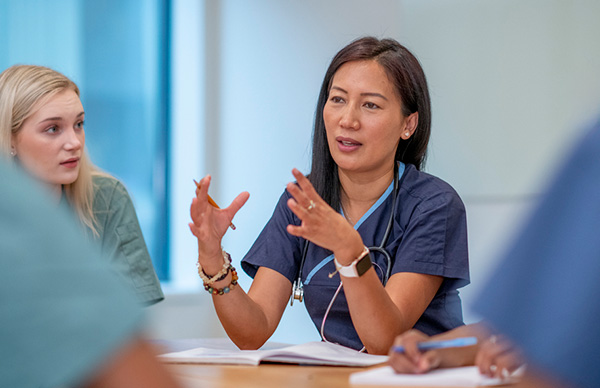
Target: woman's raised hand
x,y
210,223
321,224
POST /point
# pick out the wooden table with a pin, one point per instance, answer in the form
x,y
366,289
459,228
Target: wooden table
x,y
279,376
263,376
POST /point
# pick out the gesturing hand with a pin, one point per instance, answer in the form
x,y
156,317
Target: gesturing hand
x,y
209,223
320,223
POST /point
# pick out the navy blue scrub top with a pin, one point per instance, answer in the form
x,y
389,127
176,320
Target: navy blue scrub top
x,y
429,236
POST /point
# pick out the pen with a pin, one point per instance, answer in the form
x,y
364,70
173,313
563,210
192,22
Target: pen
x,y
453,343
214,204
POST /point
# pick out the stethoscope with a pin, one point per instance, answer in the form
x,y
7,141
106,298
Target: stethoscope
x,y
298,287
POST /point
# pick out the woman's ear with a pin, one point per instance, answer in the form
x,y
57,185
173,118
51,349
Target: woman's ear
x,y
410,125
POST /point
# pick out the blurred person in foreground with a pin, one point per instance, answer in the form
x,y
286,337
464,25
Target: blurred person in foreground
x,y
544,295
66,318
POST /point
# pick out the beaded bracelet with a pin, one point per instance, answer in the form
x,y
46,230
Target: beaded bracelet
x,y
224,290
219,275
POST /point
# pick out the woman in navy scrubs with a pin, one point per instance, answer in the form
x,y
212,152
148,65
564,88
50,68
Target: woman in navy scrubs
x,y
365,190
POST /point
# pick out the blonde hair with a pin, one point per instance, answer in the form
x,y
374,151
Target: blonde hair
x,y
22,89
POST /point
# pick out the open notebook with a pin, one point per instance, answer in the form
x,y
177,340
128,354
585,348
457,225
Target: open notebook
x,y
468,376
311,353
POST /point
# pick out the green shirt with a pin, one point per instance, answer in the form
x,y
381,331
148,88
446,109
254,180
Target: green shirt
x,y
121,239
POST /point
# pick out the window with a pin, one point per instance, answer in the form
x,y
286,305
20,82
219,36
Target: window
x,y
116,51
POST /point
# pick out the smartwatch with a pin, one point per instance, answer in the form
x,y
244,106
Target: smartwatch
x,y
357,268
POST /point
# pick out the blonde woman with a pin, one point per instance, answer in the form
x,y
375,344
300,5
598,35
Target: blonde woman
x,y
41,130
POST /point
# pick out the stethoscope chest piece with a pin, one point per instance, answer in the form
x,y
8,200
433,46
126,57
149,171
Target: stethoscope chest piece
x,y
297,292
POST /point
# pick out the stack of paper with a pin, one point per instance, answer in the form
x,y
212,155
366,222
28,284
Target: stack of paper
x,y
468,376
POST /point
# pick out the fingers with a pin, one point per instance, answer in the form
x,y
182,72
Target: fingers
x,y
202,186
410,340
197,208
317,218
210,221
304,184
305,203
237,203
508,362
303,214
401,363
304,195
411,360
200,203
497,357
486,357
303,210
195,230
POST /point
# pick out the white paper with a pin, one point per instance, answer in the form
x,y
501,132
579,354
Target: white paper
x,y
311,353
468,376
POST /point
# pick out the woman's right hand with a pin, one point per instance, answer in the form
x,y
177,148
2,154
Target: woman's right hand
x,y
209,225
412,360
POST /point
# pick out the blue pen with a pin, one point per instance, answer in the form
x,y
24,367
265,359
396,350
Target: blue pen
x,y
453,343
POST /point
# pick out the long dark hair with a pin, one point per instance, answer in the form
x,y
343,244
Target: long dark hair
x,y
404,70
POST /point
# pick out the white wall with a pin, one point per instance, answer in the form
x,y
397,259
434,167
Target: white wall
x,y
512,84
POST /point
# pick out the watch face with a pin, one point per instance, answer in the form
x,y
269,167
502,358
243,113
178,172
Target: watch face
x,y
363,265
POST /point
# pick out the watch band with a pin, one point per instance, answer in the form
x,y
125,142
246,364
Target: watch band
x,y
357,268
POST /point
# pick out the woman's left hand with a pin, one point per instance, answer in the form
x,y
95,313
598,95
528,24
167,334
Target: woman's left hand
x,y
498,357
321,224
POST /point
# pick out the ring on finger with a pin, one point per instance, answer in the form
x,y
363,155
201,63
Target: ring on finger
x,y
311,206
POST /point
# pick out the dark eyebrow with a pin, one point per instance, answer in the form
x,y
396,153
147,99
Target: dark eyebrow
x,y
59,118
340,89
374,95
362,94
